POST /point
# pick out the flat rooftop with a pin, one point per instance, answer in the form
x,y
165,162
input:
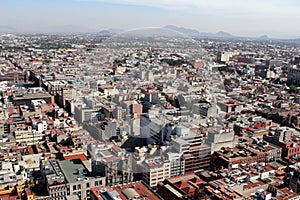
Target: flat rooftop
x,y
73,170
32,96
134,190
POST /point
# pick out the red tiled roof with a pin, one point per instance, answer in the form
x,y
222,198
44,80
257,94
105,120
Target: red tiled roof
x,y
198,64
30,151
139,187
80,156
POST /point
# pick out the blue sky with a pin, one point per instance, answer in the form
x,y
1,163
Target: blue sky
x,y
276,18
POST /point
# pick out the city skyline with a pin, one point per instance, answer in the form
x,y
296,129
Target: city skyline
x,y
148,110
273,18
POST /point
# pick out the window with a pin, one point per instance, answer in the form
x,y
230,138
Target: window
x,y
87,185
79,187
96,183
74,187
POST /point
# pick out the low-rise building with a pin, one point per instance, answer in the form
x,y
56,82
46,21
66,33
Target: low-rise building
x,y
111,162
68,179
182,187
134,190
155,170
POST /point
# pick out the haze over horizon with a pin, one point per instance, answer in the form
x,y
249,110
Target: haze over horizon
x,y
274,18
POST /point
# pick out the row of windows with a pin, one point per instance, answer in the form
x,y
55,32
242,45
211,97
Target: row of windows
x,y
76,187
87,185
97,183
294,71
158,179
294,150
58,194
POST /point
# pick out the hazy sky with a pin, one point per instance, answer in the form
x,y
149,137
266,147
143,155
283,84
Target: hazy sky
x,y
276,18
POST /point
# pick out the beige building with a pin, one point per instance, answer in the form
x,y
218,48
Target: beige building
x,y
28,136
218,138
155,170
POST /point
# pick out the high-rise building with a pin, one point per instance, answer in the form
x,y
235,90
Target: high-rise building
x,y
198,155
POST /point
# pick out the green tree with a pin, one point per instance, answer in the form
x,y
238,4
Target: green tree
x,y
293,89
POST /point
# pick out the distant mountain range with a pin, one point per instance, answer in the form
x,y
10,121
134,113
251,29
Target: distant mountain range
x,y
197,34
182,30
185,31
221,34
6,29
297,40
264,37
177,30
111,32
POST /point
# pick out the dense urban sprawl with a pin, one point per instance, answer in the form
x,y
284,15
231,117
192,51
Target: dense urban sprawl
x,y
90,117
